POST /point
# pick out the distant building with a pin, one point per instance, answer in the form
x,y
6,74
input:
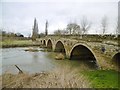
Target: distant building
x,y
35,30
19,35
46,28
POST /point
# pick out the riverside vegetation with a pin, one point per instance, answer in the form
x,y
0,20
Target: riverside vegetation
x,y
18,43
7,42
63,76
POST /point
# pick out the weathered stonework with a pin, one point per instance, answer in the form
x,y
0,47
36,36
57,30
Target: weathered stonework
x,y
104,59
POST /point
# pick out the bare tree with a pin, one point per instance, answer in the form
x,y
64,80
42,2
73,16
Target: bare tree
x,y
73,28
85,25
104,24
29,35
57,32
69,28
64,31
61,32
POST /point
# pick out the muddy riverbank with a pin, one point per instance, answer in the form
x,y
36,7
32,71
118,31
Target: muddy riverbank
x,y
64,77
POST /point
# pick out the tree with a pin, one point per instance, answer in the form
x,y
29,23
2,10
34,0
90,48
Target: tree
x,y
61,32
85,25
64,32
35,30
41,35
73,28
29,35
57,32
117,32
46,28
104,24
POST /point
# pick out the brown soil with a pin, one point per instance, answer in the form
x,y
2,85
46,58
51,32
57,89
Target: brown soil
x,y
58,78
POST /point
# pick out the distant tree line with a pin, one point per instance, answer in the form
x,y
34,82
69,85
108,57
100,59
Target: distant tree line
x,y
74,28
84,26
10,34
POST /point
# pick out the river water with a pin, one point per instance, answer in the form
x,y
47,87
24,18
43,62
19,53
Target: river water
x,y
31,62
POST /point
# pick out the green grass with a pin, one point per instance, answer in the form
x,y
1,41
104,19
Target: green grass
x,y
11,42
103,78
17,43
98,78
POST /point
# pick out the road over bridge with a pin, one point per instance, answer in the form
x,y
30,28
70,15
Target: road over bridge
x,y
104,53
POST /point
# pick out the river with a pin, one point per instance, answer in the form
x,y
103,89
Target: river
x,y
33,62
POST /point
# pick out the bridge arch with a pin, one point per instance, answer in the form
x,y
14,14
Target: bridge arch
x,y
49,45
116,59
59,47
84,53
44,42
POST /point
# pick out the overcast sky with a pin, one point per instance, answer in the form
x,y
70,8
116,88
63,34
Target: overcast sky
x,y
18,15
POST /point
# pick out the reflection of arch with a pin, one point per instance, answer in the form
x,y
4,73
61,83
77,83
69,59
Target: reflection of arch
x,y
116,59
59,47
83,53
44,43
49,45
35,56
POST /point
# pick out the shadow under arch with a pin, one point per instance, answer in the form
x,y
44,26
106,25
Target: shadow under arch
x,y
59,47
84,54
49,45
116,59
44,42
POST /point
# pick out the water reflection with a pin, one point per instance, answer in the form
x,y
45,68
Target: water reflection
x,y
35,57
35,62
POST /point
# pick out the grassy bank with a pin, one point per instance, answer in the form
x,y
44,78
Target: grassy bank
x,y
103,78
18,43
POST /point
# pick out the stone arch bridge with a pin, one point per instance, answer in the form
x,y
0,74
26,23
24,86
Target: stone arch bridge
x,y
79,49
